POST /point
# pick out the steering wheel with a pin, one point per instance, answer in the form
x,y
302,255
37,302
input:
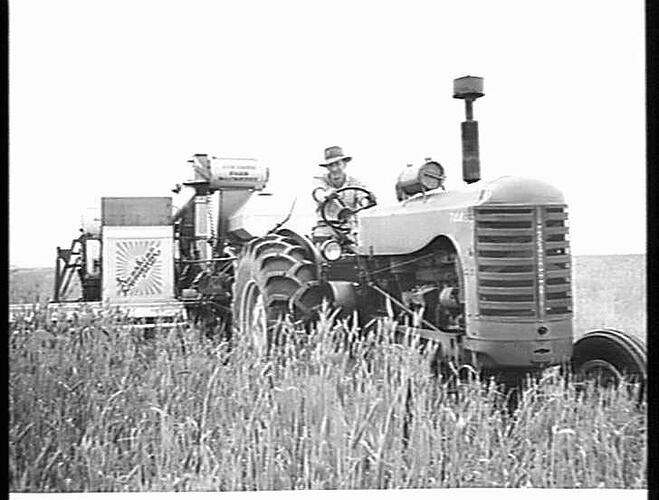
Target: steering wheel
x,y
344,211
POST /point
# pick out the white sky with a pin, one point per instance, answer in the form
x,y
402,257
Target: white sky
x,y
110,98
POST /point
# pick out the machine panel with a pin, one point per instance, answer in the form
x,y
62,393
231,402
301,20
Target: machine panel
x,y
151,211
138,263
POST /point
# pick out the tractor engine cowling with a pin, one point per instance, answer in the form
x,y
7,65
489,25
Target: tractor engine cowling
x,y
509,293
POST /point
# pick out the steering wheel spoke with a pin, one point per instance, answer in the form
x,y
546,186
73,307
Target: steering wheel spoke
x,y
345,212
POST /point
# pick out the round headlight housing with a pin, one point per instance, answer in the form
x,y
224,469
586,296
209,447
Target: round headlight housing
x,y
331,250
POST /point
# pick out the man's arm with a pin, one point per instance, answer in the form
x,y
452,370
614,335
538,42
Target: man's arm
x,y
321,190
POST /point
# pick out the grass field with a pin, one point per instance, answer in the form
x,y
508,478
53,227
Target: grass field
x,y
610,291
94,407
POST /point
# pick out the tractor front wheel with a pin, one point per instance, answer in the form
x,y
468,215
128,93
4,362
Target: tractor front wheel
x,y
608,356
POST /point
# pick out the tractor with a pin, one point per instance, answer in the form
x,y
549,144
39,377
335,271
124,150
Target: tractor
x,y
483,272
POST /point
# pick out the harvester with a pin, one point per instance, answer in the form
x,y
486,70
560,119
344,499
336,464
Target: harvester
x,y
483,272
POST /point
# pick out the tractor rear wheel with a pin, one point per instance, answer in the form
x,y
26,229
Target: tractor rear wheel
x,y
608,356
276,275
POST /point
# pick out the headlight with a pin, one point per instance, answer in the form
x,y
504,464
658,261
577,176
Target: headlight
x,y
331,250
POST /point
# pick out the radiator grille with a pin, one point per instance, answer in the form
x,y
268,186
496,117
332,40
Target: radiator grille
x,y
523,261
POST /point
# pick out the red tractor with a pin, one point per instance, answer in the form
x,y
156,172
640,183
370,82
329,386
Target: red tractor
x,y
483,272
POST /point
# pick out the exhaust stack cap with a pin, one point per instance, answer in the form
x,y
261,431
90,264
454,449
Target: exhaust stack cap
x,y
468,87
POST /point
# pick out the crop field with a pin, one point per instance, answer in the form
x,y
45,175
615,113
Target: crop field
x,y
610,291
96,407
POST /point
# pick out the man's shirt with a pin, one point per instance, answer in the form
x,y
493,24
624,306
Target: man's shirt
x,y
351,199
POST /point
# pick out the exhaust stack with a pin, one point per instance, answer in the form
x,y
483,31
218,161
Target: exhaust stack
x,y
469,88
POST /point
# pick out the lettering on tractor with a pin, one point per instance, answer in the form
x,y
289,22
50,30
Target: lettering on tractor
x,y
483,272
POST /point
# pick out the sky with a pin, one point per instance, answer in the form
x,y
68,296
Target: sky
x,y
111,98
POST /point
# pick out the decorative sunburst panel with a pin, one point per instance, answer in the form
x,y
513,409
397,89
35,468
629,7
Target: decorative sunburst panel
x,y
139,267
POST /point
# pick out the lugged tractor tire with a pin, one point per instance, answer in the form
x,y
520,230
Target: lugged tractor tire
x,y
276,276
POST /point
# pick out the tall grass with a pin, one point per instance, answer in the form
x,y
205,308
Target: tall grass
x,y
95,407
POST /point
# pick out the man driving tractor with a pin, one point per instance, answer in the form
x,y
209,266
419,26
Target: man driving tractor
x,y
337,204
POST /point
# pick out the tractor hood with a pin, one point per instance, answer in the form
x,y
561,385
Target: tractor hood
x,y
413,223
